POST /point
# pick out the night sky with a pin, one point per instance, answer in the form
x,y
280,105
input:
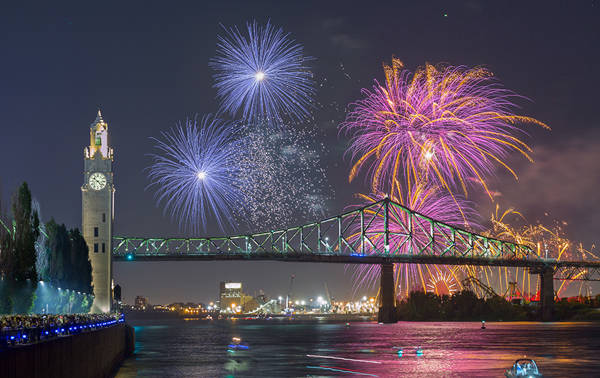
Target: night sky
x,y
145,65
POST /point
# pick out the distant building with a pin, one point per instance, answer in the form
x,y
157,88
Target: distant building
x,y
233,299
230,296
248,304
141,303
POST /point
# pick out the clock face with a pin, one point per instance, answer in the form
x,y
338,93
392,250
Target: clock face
x,y
97,181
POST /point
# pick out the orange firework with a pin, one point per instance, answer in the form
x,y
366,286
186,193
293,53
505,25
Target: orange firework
x,y
547,241
447,125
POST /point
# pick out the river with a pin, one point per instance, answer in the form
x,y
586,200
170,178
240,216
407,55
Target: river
x,y
282,348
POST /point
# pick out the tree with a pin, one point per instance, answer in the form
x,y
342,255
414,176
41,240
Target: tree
x,y
19,255
421,306
26,233
464,305
58,248
6,245
68,260
81,267
6,261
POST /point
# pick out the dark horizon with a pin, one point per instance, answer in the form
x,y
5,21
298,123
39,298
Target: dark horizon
x,y
146,67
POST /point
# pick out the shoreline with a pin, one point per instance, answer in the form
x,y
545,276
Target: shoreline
x,y
341,318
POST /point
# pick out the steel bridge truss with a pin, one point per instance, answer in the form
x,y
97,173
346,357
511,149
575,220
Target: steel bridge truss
x,y
383,231
577,272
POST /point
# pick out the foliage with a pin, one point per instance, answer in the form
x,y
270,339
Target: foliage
x,y
26,233
68,262
18,255
60,255
463,306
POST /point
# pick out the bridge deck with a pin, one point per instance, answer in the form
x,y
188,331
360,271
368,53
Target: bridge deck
x,y
347,259
381,232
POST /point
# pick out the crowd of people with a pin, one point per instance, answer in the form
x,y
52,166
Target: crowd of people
x,y
25,329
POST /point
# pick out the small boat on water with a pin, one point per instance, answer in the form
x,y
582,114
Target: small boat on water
x,y
523,367
236,344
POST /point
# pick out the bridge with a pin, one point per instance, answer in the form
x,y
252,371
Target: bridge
x,y
383,232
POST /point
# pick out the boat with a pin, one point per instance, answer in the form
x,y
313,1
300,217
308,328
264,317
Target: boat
x,y
523,367
237,345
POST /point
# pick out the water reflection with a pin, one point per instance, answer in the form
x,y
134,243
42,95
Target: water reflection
x,y
173,347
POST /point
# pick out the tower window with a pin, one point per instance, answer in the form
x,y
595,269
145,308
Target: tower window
x,y
103,217
96,232
96,247
103,247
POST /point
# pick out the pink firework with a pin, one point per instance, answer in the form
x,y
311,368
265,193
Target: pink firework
x,y
424,200
447,125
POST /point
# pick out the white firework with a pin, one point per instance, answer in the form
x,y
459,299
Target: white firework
x,y
282,178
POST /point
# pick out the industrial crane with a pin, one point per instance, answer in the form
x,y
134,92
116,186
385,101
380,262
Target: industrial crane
x,y
473,282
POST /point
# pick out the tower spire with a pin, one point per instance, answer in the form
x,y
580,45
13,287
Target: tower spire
x,y
99,117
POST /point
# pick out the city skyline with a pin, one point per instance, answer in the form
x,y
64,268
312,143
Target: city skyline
x,y
361,295
141,94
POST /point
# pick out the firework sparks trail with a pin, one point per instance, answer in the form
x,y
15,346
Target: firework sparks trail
x,y
195,172
548,241
262,75
428,201
282,178
447,125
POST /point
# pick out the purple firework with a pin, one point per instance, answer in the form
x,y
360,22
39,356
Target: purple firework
x,y
427,201
447,125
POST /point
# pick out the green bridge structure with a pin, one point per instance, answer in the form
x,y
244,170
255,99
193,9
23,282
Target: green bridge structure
x,y
383,232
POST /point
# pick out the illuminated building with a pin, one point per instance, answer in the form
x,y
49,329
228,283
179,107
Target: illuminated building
x,y
232,299
97,197
230,294
141,303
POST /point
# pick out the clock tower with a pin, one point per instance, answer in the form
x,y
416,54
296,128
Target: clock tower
x,y
98,197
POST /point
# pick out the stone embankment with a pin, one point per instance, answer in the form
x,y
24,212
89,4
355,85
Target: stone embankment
x,y
97,353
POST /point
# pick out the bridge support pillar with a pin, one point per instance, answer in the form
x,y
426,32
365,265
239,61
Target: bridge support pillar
x,y
547,293
387,311
546,274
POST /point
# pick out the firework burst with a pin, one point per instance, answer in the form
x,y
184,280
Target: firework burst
x,y
282,178
447,125
262,75
547,241
443,283
195,172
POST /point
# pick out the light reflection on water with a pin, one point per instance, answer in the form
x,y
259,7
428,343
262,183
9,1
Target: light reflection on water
x,y
174,348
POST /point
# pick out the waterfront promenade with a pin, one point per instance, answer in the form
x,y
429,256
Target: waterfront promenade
x,y
27,329
64,345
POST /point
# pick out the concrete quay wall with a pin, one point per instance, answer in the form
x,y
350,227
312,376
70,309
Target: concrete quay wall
x,y
91,354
